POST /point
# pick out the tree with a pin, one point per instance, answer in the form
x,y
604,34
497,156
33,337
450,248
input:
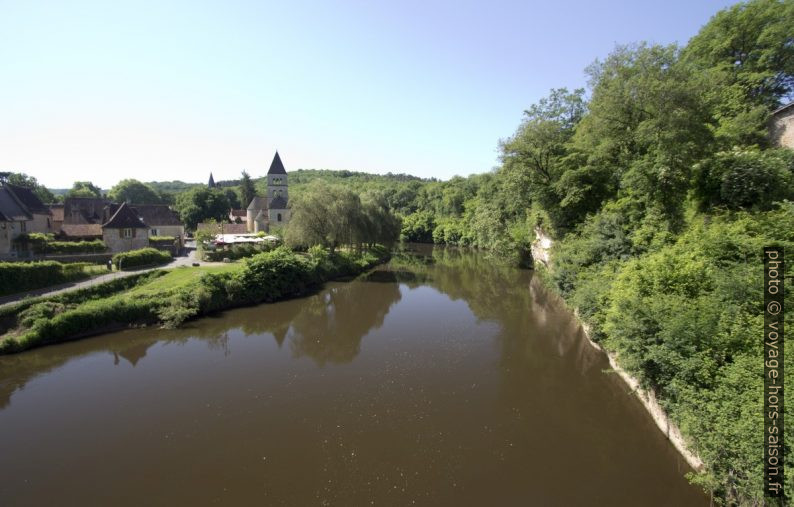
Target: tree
x,y
84,189
232,197
533,157
333,215
23,180
134,192
247,189
648,123
202,203
747,54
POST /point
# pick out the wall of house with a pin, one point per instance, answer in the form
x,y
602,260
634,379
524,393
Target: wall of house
x,y
40,223
783,129
9,232
116,243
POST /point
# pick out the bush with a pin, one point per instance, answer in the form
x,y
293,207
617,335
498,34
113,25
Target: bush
x,y
237,252
748,179
22,276
142,257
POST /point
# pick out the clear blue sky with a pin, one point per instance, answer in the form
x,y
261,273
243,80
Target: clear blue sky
x,y
160,90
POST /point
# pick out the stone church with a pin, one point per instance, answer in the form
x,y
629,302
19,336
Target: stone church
x,y
270,210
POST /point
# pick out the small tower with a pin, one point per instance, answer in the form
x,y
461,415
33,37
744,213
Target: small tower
x,y
211,182
277,194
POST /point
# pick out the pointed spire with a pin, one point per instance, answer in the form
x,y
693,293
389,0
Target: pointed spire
x,y
211,183
276,167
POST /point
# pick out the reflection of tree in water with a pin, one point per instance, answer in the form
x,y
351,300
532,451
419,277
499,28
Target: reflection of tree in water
x,y
521,305
330,326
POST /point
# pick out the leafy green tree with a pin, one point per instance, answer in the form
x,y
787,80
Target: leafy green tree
x,y
84,189
533,157
648,122
232,197
247,189
418,227
747,54
134,192
201,203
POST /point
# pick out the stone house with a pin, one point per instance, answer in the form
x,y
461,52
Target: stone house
x,y
125,231
782,126
21,212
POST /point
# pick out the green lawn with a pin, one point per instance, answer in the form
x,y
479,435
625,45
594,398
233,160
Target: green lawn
x,y
180,277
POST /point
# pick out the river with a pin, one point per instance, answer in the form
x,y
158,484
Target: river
x,y
438,379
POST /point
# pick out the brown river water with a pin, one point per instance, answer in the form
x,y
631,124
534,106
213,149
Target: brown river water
x,y
438,379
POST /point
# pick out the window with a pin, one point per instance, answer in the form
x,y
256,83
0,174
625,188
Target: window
x,y
279,217
128,233
153,232
23,226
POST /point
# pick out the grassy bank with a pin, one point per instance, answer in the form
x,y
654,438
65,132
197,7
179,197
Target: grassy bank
x,y
170,298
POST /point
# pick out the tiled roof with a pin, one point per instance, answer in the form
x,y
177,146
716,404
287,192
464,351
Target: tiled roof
x,y
258,202
276,167
90,209
124,218
28,199
11,209
278,203
155,215
238,213
81,230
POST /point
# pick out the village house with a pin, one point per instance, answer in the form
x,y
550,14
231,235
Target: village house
x,y
91,218
125,230
21,212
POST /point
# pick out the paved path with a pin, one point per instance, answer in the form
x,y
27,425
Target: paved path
x,y
187,260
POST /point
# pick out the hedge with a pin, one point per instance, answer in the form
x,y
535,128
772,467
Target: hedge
x,y
45,244
142,257
21,276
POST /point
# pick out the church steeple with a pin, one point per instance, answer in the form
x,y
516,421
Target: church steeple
x,y
211,183
276,167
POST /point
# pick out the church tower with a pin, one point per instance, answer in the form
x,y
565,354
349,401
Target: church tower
x,y
277,195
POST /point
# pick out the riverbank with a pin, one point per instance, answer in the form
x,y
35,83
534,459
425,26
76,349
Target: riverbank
x,y
541,250
170,298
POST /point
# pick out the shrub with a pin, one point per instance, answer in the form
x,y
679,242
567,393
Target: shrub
x,y
237,252
21,276
748,179
142,257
